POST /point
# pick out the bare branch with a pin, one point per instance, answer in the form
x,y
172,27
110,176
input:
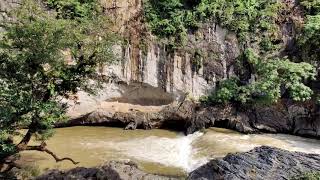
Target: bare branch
x,y
43,148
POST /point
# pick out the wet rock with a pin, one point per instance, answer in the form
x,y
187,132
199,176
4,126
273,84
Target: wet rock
x,y
297,119
220,116
111,171
134,118
304,120
191,117
272,119
258,164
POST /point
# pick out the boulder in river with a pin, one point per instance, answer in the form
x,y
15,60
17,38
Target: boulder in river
x,y
259,164
110,171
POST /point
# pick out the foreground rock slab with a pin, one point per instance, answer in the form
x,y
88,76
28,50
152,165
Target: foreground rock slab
x,y
111,171
260,163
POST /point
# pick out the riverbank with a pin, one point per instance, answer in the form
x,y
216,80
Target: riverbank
x,y
189,117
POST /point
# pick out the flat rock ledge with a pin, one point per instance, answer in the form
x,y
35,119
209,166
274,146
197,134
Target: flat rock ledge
x,y
190,117
111,171
186,117
261,163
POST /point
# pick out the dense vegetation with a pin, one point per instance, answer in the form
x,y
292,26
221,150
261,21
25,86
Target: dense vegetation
x,y
43,58
248,18
73,9
257,24
274,77
308,176
310,36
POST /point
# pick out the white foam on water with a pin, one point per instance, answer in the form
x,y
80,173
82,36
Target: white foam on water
x,y
192,151
173,152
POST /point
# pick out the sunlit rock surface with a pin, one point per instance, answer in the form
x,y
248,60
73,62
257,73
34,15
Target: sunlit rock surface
x,y
259,164
112,170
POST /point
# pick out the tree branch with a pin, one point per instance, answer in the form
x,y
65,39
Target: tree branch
x,y
24,142
43,148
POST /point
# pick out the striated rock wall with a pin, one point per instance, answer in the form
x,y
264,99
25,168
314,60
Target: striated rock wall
x,y
145,60
149,73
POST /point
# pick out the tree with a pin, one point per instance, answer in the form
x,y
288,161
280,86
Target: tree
x,y
43,59
273,77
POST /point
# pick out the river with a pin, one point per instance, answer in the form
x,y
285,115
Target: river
x,y
156,151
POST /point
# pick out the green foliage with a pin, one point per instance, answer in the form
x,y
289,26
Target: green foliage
x,y
274,74
245,17
308,176
225,93
309,39
72,9
312,7
44,58
168,18
272,77
248,18
256,24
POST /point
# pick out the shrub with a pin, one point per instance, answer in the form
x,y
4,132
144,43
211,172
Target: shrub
x,y
308,176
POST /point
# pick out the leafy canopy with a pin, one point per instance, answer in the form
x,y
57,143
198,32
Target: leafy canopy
x,y
173,19
44,58
273,78
309,39
72,9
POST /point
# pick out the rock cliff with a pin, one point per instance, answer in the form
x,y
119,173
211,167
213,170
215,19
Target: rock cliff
x,y
151,75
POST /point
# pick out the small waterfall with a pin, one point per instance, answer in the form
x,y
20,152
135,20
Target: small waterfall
x,y
172,152
186,152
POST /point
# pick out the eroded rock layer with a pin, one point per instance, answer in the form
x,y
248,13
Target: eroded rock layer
x,y
259,164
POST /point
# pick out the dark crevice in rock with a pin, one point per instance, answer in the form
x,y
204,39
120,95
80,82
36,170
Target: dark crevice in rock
x,y
222,124
175,125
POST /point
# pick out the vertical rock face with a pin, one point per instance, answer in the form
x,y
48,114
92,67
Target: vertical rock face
x,y
194,69
150,73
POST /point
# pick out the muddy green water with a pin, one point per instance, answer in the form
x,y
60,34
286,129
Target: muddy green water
x,y
156,151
